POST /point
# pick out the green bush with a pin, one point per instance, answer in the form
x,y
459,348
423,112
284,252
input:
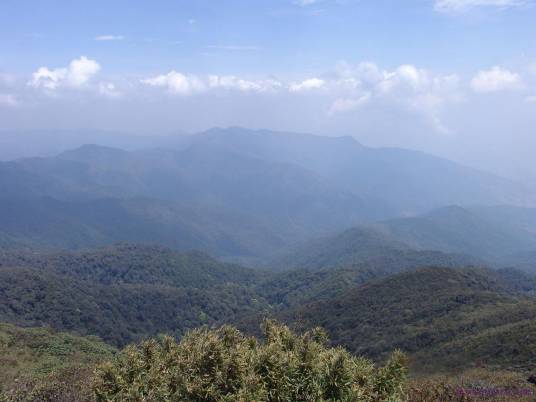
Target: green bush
x,y
225,365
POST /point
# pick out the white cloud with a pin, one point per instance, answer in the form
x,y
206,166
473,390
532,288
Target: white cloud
x,y
177,83
494,80
8,100
76,75
343,105
306,85
48,79
81,70
365,74
183,84
405,75
409,79
109,38
449,6
412,76
407,86
422,92
531,99
404,79
232,82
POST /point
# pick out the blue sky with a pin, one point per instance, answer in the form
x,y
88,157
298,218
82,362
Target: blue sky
x,y
452,77
263,37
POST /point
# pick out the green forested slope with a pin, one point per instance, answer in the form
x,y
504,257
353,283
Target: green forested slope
x,y
501,236
129,292
438,315
134,264
310,284
123,294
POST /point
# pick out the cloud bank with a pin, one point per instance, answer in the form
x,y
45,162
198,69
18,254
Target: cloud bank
x,y
349,89
76,75
496,79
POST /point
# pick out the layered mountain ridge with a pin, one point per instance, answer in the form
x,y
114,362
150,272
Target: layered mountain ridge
x,y
239,194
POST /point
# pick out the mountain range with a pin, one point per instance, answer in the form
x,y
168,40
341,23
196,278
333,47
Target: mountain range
x,y
238,194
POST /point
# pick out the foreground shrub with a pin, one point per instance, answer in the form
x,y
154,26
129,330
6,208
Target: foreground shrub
x,y
225,365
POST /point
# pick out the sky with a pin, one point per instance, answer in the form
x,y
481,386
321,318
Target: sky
x,y
456,78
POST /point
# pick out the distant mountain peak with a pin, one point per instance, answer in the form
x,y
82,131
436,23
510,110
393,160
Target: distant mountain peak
x,y
91,152
241,131
93,149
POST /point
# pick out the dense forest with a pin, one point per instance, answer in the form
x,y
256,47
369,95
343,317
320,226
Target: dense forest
x,y
123,293
445,316
138,291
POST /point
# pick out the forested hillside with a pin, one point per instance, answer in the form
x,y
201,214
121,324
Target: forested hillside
x,y
366,244
306,284
123,294
499,236
444,318
126,292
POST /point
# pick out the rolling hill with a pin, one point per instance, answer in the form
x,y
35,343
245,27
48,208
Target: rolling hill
x,y
301,285
462,230
123,293
444,318
126,292
481,235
